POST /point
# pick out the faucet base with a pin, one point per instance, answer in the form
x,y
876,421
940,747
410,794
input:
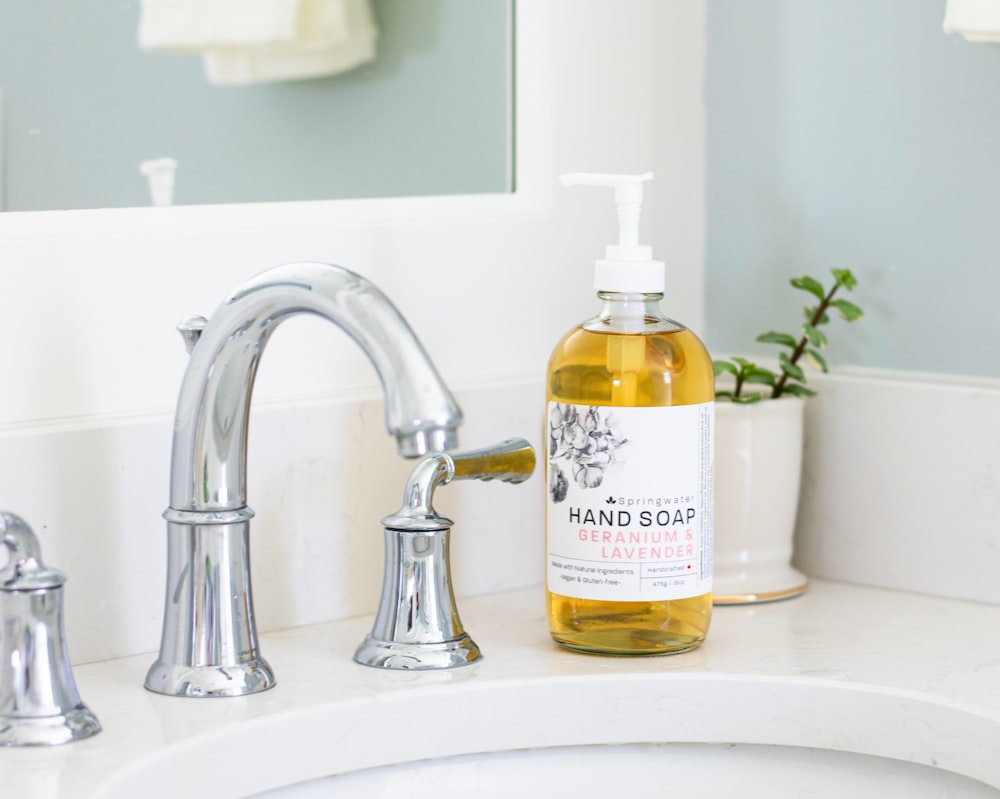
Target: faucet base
x,y
417,657
73,725
172,679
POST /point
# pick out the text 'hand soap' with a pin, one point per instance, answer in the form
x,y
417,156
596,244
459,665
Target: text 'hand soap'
x,y
630,461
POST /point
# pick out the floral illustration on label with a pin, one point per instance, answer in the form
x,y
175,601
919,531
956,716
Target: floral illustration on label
x,y
583,442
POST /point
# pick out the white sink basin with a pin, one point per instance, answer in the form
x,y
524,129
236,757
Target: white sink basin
x,y
707,735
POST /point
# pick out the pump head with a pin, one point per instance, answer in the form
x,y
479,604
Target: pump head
x,y
627,266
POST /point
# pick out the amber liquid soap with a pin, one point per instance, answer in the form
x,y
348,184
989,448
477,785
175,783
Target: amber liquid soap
x,y
633,359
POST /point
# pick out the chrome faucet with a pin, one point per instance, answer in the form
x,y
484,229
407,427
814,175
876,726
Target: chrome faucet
x,y
209,645
39,702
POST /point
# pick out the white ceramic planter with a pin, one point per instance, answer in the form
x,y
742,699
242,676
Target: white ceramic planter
x,y
758,465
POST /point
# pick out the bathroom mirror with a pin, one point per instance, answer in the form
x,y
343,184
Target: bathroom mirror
x,y
82,105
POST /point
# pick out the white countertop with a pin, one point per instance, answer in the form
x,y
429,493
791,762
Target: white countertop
x,y
842,667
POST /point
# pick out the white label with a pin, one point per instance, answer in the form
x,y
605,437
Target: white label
x,y
629,510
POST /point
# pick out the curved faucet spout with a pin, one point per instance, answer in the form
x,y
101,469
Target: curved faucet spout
x,y
209,643
208,470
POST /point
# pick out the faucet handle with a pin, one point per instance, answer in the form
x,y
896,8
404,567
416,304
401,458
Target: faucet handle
x,y
511,461
191,329
417,625
39,703
24,570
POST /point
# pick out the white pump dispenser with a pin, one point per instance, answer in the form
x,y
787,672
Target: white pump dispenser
x,y
627,266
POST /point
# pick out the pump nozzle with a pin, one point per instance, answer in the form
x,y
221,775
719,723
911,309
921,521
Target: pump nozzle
x,y
628,198
643,274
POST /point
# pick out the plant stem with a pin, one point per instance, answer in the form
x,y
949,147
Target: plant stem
x,y
800,348
738,388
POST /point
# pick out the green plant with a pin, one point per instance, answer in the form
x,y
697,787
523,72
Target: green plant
x,y
791,378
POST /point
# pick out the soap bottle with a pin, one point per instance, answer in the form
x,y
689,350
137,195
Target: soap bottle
x,y
629,461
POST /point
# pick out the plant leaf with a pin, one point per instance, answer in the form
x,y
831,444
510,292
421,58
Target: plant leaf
x,y
817,361
773,337
809,284
749,398
844,278
743,362
724,367
816,337
848,310
760,376
724,394
799,390
792,370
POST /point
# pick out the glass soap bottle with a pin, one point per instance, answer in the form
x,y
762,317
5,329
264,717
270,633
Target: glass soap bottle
x,y
629,461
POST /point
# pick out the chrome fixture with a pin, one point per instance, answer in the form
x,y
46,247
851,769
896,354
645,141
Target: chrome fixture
x,y
209,644
39,703
417,624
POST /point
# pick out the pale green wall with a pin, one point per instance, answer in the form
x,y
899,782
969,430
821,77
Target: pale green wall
x,y
84,106
854,133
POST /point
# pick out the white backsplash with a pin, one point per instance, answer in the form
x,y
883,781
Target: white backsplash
x,y
901,487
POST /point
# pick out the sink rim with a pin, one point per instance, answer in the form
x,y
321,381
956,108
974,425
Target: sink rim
x,y
481,716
